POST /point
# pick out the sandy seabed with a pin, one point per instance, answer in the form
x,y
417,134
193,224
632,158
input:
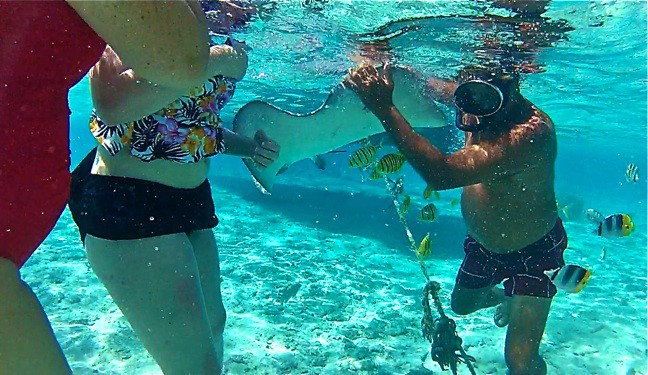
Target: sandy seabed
x,y
310,291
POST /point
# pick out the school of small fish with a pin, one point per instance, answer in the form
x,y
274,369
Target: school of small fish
x,y
429,191
570,278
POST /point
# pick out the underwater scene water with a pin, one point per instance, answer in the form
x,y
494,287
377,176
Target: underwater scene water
x,y
319,277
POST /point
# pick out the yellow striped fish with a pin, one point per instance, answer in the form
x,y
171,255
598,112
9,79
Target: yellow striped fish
x,y
430,191
375,175
390,163
363,157
423,250
429,212
406,203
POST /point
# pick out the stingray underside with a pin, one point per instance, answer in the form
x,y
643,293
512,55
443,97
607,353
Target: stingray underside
x,y
341,120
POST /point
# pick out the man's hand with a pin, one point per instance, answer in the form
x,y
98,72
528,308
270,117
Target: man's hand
x,y
374,89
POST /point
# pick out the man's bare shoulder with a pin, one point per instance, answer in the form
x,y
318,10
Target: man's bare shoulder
x,y
538,128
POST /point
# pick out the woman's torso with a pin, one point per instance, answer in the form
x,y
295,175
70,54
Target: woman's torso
x,y
165,172
170,147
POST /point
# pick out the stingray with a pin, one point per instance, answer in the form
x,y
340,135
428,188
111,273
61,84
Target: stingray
x,y
341,120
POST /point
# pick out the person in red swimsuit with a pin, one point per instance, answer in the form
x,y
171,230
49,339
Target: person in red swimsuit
x,y
47,47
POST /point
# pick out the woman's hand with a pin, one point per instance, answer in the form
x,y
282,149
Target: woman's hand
x,y
374,89
266,150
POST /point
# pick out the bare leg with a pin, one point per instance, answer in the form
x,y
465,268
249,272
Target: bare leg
x,y
155,282
527,320
466,301
27,343
204,245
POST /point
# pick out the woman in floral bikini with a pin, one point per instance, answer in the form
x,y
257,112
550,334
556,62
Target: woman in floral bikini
x,y
145,211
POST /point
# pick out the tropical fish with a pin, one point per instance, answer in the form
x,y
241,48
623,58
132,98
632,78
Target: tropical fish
x,y
423,250
570,278
563,211
283,169
390,163
429,191
375,175
594,215
363,156
617,225
319,161
455,202
631,173
429,212
289,292
406,203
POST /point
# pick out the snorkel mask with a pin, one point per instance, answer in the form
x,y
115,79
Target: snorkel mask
x,y
477,99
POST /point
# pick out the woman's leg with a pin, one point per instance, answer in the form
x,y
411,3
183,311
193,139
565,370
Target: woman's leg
x,y
204,245
156,284
27,343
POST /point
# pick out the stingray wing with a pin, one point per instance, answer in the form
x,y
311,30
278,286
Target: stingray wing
x,y
341,120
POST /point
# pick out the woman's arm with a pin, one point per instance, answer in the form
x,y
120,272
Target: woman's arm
x,y
164,41
228,61
261,149
120,95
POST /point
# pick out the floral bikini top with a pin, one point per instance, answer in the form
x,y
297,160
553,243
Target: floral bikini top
x,y
185,131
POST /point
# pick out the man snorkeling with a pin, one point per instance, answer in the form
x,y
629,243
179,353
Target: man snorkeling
x,y
506,170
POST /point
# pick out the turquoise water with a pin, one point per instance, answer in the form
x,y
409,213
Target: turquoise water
x,y
318,277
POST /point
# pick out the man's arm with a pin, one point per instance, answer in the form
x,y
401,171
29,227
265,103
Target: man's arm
x,y
526,146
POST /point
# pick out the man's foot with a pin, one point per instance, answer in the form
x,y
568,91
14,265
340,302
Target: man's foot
x,y
502,312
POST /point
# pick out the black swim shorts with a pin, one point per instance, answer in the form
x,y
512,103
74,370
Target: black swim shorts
x,y
121,208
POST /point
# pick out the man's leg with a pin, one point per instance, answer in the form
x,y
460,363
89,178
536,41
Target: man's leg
x,y
466,301
527,320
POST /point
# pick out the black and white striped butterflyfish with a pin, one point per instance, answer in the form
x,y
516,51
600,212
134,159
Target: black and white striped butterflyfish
x,y
570,278
631,173
616,225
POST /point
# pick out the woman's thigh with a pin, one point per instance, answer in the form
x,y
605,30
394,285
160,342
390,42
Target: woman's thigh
x,y
156,283
206,252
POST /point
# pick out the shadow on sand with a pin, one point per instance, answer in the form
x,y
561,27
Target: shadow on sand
x,y
362,214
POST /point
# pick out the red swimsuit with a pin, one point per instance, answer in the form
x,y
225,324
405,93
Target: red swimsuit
x,y
45,49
